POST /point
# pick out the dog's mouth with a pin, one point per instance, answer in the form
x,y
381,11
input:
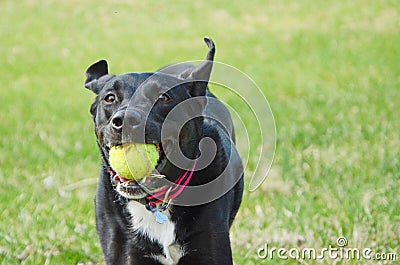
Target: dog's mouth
x,y
141,188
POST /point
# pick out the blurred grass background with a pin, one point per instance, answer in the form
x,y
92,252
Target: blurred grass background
x,y
329,69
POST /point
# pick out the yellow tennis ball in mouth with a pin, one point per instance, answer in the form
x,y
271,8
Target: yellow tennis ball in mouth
x,y
133,160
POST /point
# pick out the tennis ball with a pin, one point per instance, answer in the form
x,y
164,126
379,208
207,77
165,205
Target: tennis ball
x,y
133,160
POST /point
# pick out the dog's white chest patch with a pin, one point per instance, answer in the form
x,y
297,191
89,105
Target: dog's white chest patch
x,y
144,222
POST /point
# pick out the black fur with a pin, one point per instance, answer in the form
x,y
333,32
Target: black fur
x,y
203,229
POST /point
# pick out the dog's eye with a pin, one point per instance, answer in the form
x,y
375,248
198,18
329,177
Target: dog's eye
x,y
110,98
163,98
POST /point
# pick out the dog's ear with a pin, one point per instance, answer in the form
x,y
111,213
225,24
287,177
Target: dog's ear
x,y
200,75
93,73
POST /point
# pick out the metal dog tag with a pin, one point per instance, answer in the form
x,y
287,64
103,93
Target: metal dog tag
x,y
160,217
157,212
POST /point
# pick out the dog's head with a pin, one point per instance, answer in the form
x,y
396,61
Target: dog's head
x,y
162,108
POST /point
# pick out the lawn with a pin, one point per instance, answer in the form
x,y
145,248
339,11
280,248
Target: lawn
x,y
329,69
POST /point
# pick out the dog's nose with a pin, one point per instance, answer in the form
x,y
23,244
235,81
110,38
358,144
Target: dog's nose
x,y
125,118
117,122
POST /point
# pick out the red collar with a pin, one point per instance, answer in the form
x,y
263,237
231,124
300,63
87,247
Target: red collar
x,y
168,193
174,190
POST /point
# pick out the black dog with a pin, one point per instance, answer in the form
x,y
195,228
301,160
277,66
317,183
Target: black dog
x,y
184,216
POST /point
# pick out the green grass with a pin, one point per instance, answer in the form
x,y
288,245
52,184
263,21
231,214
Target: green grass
x,y
331,73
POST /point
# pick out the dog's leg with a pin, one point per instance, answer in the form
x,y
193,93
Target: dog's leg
x,y
209,247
